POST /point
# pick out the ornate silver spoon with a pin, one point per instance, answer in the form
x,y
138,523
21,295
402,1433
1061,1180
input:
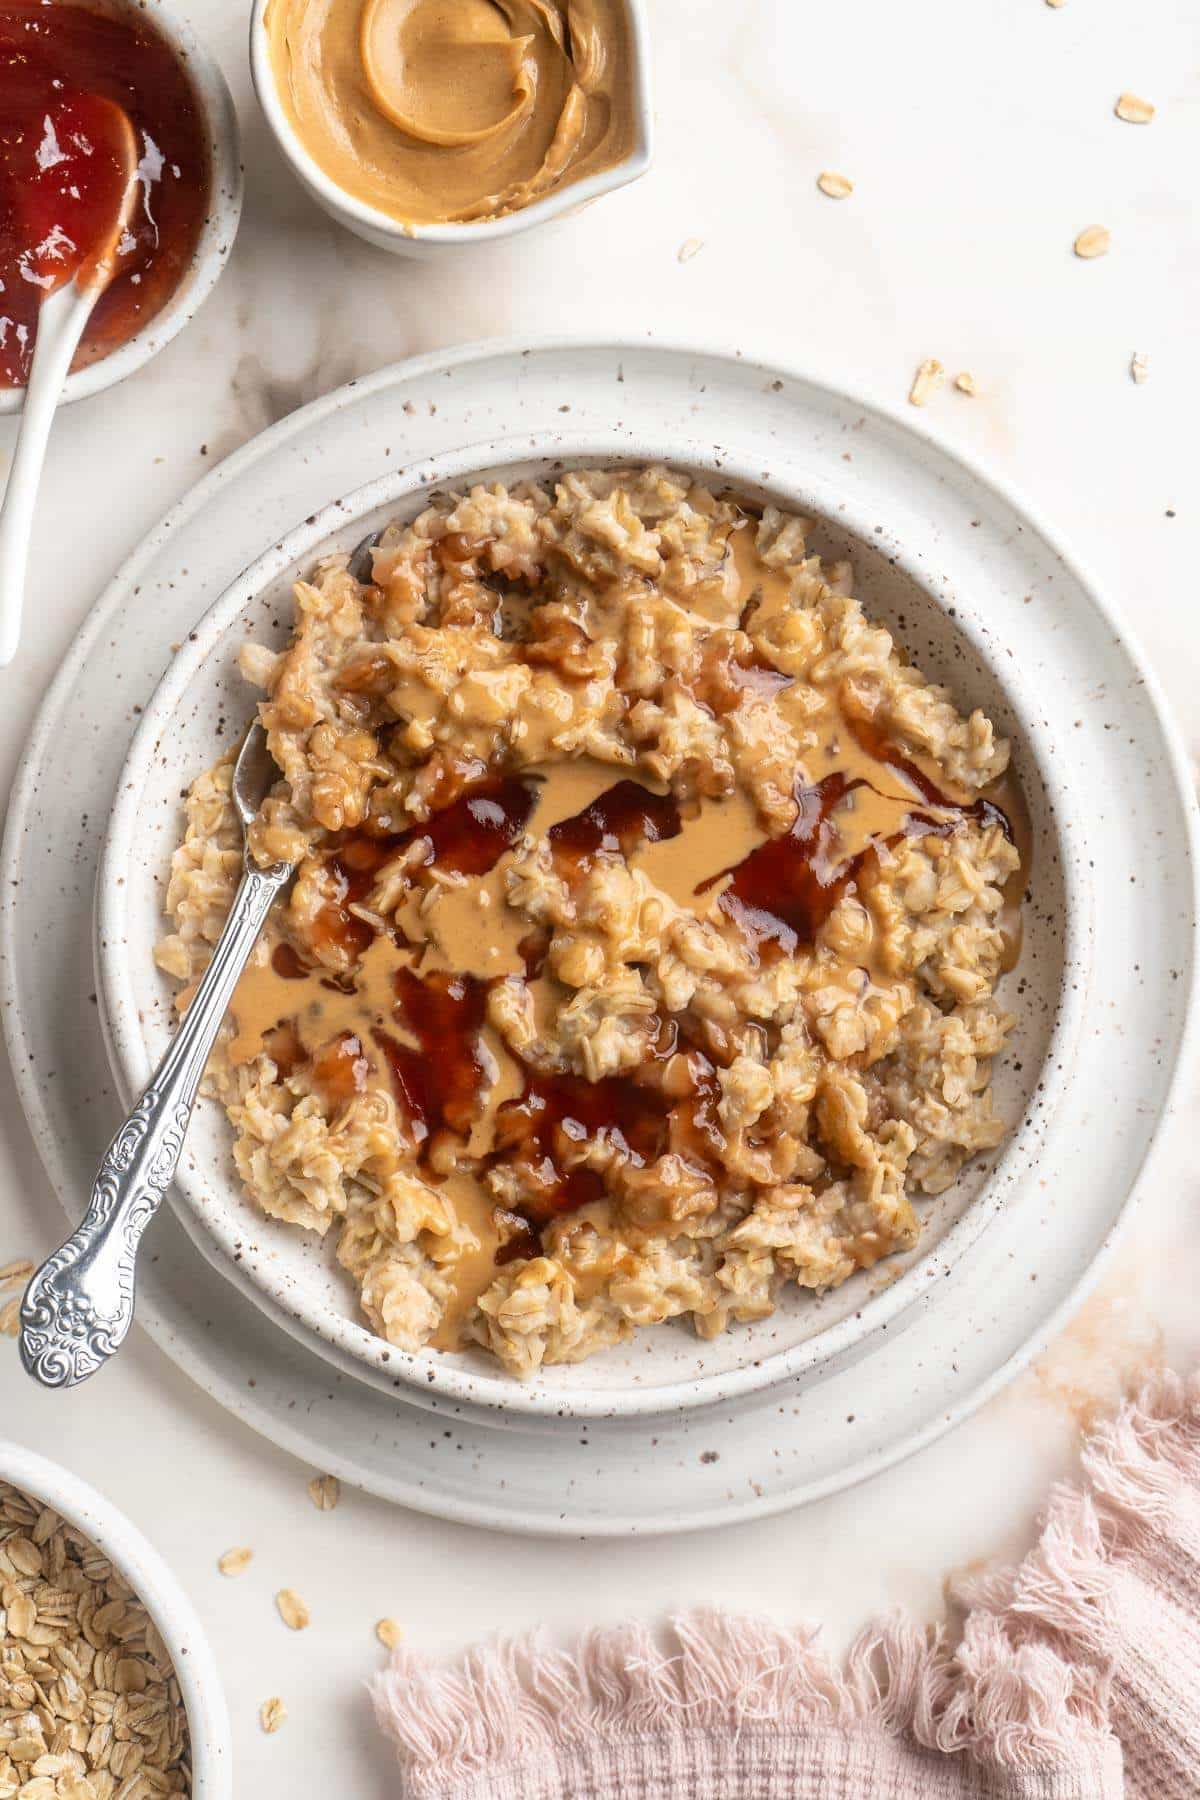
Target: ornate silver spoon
x,y
79,1304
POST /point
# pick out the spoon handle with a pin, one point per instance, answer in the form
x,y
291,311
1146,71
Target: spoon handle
x,y
61,320
79,1305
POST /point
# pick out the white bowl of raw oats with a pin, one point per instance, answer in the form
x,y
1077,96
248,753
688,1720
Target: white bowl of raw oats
x,y
640,1029
134,1684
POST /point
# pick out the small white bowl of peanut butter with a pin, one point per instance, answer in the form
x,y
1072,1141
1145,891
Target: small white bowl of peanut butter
x,y
426,124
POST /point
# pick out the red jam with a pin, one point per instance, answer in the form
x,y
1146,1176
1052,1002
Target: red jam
x,y
783,892
557,1111
74,191
57,169
438,1080
621,818
469,837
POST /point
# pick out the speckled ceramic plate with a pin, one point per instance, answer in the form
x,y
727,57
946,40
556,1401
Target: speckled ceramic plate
x,y
966,1334
958,628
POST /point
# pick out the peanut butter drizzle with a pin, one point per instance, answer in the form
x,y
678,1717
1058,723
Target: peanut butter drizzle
x,y
724,832
451,110
475,1268
465,926
748,578
319,1009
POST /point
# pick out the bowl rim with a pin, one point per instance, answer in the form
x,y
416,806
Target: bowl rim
x,y
361,215
426,1374
160,1592
217,231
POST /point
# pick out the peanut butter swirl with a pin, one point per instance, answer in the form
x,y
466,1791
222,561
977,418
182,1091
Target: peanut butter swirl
x,y
441,111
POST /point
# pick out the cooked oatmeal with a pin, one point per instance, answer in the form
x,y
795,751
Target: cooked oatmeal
x,y
641,955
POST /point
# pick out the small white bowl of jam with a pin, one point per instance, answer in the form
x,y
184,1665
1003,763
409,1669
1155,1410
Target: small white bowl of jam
x,y
423,127
189,169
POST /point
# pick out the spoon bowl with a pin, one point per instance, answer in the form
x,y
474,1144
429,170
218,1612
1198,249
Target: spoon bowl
x,y
87,186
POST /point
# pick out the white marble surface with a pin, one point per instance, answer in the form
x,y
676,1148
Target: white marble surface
x,y
981,140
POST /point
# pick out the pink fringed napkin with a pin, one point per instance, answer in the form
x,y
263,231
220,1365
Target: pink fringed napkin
x,y
1076,1677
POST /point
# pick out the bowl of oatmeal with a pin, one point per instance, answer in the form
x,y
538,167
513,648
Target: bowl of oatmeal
x,y
642,1024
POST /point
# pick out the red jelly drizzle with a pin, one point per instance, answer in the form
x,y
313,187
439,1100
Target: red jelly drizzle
x,y
786,888
468,837
871,738
523,1241
620,818
51,58
557,1111
286,963
438,1080
783,892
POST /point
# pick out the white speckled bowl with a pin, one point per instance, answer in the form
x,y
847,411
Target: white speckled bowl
x,y
164,1599
984,650
216,234
427,241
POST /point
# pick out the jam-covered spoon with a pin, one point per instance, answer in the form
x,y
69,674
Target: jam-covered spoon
x,y
74,219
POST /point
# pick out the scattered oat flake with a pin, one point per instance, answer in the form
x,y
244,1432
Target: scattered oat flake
x,y
926,379
272,1713
1139,366
1093,240
292,1609
325,1491
234,1561
691,247
1055,2
389,1632
1134,110
836,186
10,1317
20,1270
965,382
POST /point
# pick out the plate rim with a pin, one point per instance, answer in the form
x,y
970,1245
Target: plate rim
x,y
279,1428
320,1328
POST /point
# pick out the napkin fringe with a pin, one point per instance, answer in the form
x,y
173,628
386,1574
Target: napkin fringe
x,y
518,1701
1028,1688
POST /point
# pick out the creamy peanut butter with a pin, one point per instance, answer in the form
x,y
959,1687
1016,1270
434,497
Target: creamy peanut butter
x,y
441,111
